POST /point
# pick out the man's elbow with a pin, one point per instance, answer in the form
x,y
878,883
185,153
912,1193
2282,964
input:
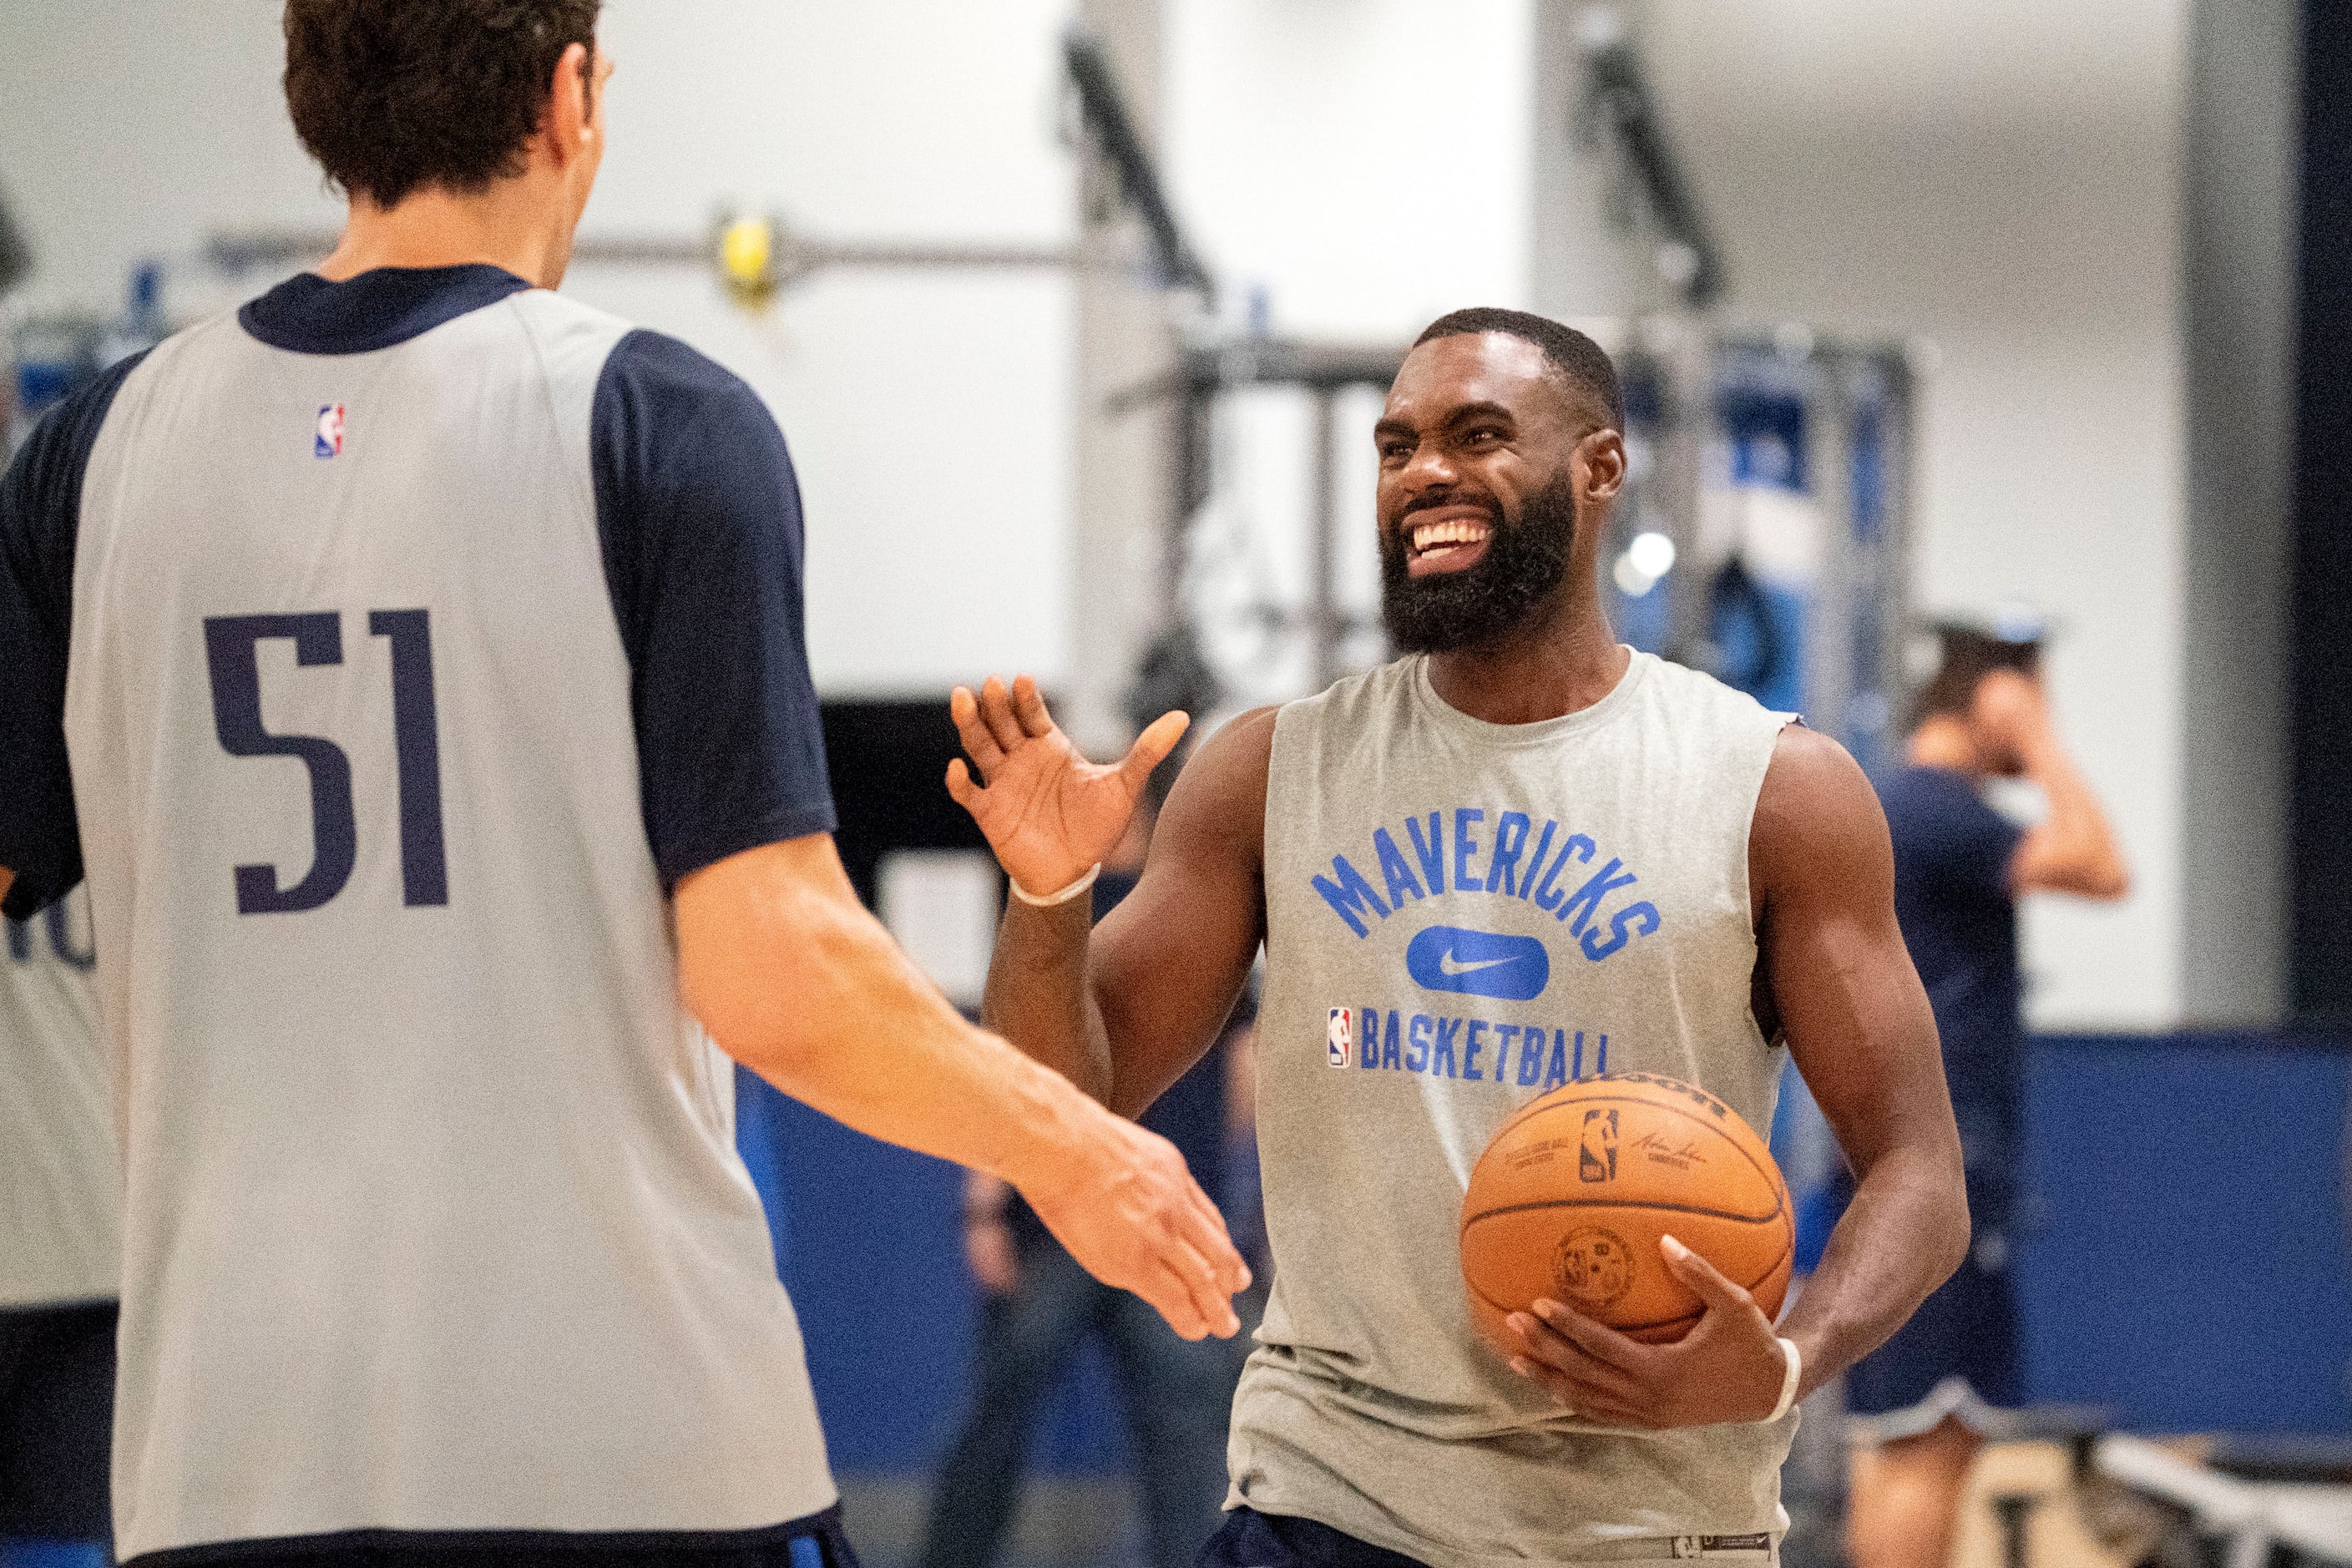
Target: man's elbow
x,y
1949,1228
765,977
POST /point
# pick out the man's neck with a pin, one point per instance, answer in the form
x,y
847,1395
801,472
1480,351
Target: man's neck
x,y
1568,663
505,226
1944,742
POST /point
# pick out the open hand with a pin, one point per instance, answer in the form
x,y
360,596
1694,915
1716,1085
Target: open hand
x,y
1728,1368
1048,813
1125,1206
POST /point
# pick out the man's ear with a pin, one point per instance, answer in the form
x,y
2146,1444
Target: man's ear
x,y
1603,455
570,105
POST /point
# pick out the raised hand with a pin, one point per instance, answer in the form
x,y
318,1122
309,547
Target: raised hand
x,y
1048,813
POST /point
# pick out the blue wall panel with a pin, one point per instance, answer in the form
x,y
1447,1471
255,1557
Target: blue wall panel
x,y
2186,1261
869,1241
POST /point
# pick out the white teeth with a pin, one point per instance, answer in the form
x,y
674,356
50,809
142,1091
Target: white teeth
x,y
1432,535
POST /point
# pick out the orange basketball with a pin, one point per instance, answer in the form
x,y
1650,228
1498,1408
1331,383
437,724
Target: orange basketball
x,y
1570,1198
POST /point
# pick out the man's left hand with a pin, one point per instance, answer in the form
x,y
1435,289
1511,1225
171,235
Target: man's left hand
x,y
1728,1368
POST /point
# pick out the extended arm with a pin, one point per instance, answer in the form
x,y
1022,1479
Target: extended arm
x,y
1126,1009
796,980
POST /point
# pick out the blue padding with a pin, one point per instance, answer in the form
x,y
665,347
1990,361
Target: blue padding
x,y
2186,1263
17,1551
869,1240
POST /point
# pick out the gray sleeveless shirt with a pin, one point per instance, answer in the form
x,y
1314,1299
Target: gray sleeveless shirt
x,y
1460,916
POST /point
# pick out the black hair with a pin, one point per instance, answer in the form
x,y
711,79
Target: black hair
x,y
391,96
1583,362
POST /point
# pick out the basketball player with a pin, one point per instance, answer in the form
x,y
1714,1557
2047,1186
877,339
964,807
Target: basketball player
x,y
1520,854
59,1238
1922,1402
413,657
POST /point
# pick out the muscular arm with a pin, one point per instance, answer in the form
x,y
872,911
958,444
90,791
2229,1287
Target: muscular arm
x,y
1125,1010
1840,985
796,980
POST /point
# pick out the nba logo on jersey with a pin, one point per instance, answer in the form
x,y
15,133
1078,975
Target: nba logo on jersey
x,y
327,441
1340,1039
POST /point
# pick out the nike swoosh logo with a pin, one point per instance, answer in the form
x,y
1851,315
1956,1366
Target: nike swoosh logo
x,y
1449,964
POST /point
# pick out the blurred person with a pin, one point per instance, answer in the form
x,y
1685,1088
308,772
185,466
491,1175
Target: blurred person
x,y
1038,1308
1920,1403
60,1233
416,656
1707,882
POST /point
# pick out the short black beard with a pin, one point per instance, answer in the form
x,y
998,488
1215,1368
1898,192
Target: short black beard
x,y
1487,604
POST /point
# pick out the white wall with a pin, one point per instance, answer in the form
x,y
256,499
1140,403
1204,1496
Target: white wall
x,y
2001,179
928,415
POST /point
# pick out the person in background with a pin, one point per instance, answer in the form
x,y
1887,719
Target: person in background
x,y
59,1232
1919,1403
1039,1306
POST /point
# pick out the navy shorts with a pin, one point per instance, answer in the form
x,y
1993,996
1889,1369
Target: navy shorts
x,y
1249,1538
57,1420
1958,1355
816,1541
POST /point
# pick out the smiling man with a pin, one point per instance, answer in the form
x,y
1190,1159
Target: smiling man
x,y
1519,855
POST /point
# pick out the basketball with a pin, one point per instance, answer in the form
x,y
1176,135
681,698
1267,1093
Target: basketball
x,y
1571,1197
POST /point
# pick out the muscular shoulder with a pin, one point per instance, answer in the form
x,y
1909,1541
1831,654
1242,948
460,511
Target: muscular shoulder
x,y
1818,826
1221,795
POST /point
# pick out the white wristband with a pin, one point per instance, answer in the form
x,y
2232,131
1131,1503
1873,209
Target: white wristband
x,y
1788,1380
1063,897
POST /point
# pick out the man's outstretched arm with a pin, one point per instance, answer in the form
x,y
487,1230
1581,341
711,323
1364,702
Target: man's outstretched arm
x,y
1124,1009
796,980
1841,985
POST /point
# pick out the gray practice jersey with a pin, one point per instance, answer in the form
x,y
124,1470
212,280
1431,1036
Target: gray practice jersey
x,y
57,1171
1459,917
420,632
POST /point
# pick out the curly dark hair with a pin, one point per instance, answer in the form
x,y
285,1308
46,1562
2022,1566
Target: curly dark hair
x,y
394,95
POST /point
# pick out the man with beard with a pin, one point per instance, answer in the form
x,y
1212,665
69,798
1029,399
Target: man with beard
x,y
1520,854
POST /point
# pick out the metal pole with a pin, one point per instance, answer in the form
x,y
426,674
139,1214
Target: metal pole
x,y
1828,454
1322,607
1687,417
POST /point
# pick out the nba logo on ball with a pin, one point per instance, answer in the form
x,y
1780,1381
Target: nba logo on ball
x,y
328,440
1339,1037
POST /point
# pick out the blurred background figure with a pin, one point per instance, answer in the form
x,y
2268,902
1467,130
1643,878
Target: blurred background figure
x,y
1039,1307
59,1235
1920,1404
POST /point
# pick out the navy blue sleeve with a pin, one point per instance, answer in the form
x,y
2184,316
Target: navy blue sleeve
x,y
1952,840
40,511
699,517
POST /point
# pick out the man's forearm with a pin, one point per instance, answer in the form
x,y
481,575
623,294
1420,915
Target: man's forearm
x,y
2074,844
1038,996
854,1029
1906,1231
